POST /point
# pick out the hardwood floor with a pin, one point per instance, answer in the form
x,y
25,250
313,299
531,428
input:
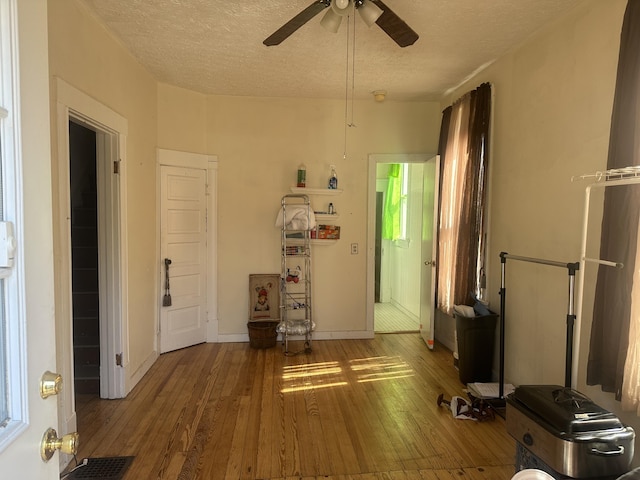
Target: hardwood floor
x,y
351,409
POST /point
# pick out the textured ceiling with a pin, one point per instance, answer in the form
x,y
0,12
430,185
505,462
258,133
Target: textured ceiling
x,y
215,46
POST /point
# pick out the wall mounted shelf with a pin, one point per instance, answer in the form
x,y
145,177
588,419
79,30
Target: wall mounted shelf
x,y
325,217
313,241
323,241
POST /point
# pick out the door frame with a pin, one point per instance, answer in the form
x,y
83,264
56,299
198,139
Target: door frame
x,y
111,132
374,159
208,163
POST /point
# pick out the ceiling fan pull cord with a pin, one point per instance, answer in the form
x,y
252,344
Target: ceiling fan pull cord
x,y
353,71
346,94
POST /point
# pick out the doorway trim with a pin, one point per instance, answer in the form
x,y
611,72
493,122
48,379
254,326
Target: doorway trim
x,y
374,159
111,132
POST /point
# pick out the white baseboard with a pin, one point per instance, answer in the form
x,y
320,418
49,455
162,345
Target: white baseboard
x,y
346,335
132,379
212,331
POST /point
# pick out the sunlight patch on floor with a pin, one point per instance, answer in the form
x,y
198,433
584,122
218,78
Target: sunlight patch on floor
x,y
331,374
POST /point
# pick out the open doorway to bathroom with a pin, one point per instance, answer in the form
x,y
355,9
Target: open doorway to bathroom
x,y
398,249
402,295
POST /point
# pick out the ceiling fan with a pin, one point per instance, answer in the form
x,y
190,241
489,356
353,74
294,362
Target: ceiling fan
x,y
371,11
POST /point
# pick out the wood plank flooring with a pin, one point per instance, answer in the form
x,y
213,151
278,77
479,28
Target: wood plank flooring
x,y
351,409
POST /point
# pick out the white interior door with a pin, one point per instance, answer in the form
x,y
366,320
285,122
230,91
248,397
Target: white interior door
x,y
429,234
27,329
183,238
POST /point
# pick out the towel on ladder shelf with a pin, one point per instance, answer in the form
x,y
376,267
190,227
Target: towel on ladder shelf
x,y
296,218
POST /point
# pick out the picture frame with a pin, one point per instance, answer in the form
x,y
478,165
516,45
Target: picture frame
x,y
264,296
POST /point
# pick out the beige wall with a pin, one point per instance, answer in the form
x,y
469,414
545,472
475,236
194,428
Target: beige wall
x,y
85,56
182,119
552,114
259,143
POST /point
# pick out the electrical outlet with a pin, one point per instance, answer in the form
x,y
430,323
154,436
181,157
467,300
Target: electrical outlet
x,y
354,249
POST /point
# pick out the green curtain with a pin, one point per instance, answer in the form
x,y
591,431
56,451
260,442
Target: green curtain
x,y
391,209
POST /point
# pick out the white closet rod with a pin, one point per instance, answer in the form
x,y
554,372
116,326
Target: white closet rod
x,y
612,174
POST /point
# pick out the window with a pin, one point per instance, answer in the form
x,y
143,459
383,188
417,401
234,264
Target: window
x,y
4,399
395,218
13,391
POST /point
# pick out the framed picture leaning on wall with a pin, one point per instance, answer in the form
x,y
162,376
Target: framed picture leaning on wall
x,y
264,296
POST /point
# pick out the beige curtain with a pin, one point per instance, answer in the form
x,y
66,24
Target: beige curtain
x,y
456,159
631,382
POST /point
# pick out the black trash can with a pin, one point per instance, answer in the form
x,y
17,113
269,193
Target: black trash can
x,y
476,340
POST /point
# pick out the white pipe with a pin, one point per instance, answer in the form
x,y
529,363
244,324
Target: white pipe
x,y
580,292
604,262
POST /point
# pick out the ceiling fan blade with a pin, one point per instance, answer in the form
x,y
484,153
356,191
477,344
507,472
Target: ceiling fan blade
x,y
277,37
394,26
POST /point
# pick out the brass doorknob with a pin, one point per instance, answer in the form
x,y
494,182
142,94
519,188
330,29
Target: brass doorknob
x,y
50,384
50,443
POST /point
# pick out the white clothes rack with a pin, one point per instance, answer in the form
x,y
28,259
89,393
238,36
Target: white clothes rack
x,y
609,178
624,173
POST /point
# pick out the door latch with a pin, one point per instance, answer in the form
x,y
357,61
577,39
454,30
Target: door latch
x,y
50,443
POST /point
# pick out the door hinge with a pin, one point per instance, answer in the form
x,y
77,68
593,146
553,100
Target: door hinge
x,y
116,166
119,359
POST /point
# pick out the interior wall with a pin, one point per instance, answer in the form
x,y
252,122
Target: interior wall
x,y
82,53
182,119
260,142
552,115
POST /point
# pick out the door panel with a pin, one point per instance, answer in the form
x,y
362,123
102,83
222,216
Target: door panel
x,y
429,236
27,299
183,242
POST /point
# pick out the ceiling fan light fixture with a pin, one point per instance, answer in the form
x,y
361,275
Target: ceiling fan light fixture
x,y
331,21
379,95
369,12
341,7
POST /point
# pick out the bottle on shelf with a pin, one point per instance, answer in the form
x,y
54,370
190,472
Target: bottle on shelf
x,y
331,210
333,178
302,176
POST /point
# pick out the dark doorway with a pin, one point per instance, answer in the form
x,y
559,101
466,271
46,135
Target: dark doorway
x,y
378,247
84,258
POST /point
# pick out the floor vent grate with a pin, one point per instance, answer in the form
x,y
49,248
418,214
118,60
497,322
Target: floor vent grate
x,y
103,468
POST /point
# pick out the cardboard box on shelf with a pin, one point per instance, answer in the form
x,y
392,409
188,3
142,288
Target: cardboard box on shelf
x,y
328,232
